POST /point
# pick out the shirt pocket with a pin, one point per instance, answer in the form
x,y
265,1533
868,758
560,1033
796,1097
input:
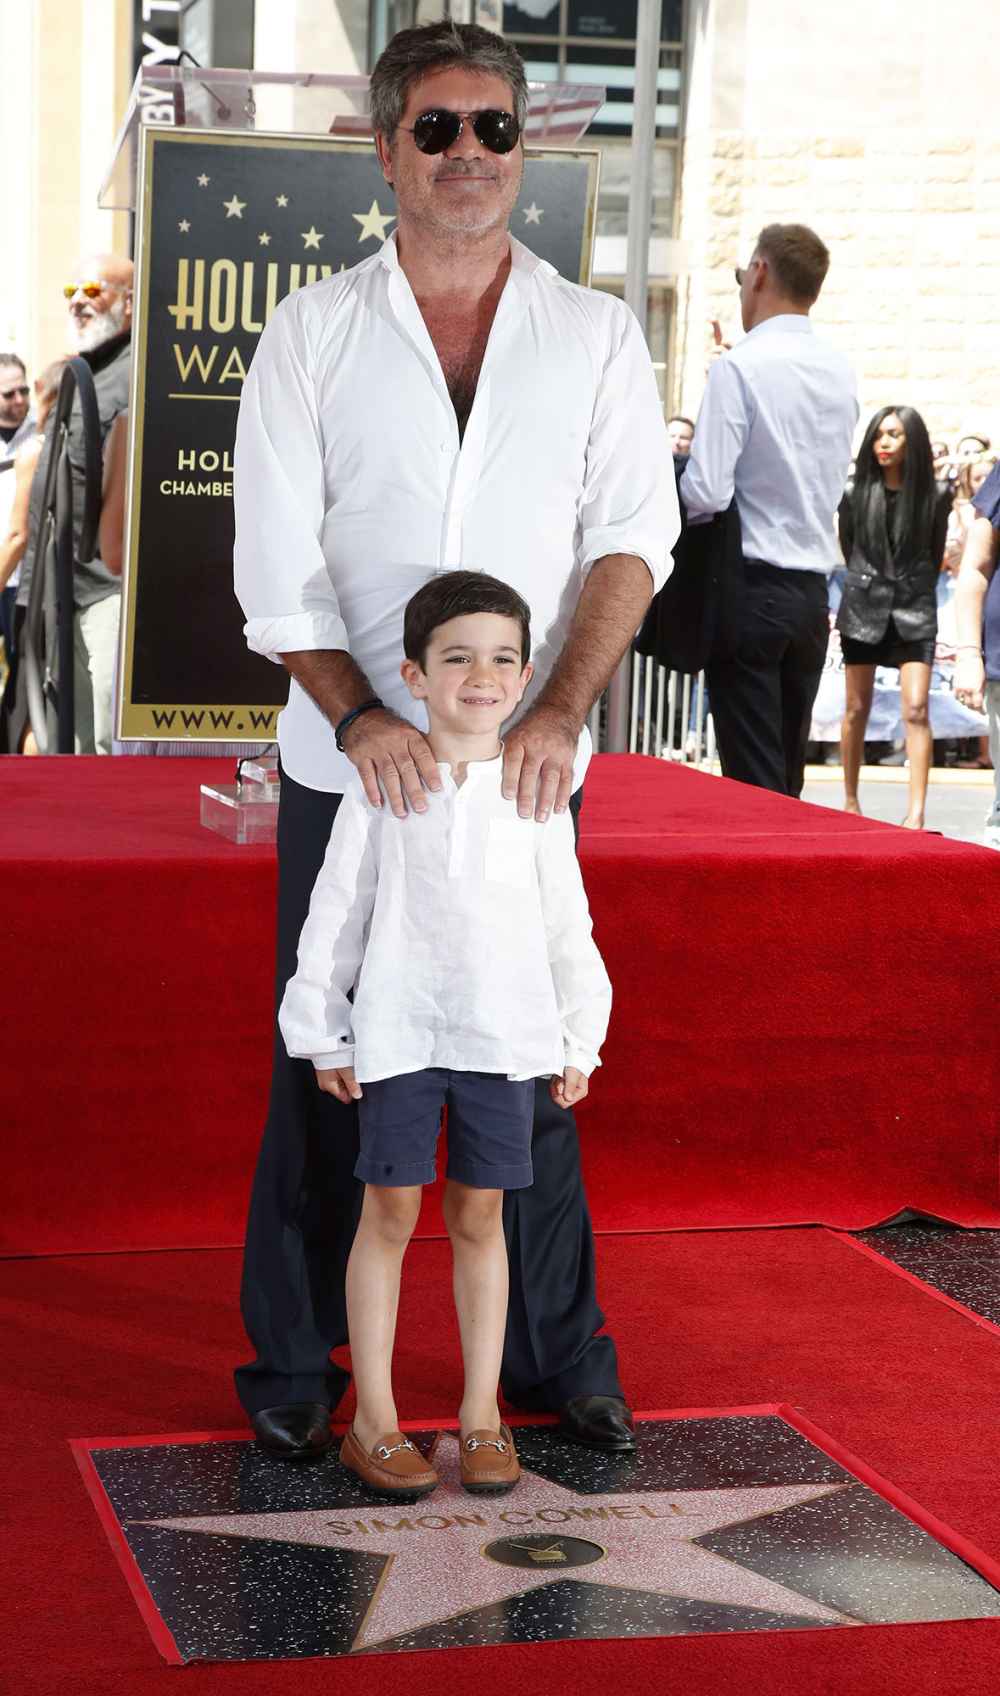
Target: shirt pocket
x,y
510,852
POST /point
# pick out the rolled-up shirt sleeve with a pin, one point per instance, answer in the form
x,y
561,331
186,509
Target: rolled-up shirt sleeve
x,y
709,479
280,574
629,499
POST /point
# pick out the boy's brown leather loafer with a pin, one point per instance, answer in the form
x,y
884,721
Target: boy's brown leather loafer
x,y
395,1469
489,1462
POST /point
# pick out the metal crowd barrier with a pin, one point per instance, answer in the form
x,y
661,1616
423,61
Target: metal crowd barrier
x,y
670,715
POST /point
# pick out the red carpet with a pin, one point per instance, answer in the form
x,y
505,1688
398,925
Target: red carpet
x,y
118,1345
804,1026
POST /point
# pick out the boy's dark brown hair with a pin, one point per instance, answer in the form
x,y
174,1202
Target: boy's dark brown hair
x,y
453,594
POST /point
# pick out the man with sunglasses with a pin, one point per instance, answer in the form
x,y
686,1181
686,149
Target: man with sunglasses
x,y
450,402
98,293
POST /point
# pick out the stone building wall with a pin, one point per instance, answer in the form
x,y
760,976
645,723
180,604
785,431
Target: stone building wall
x,y
910,209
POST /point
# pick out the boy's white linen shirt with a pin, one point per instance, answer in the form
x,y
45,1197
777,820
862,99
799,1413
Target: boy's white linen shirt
x,y
464,933
775,428
352,487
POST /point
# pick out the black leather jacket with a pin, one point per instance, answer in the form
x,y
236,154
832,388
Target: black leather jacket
x,y
906,591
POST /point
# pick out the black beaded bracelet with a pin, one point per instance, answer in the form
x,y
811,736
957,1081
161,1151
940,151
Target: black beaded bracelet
x,y
348,719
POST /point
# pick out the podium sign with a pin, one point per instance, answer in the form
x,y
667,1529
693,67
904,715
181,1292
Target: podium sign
x,y
230,224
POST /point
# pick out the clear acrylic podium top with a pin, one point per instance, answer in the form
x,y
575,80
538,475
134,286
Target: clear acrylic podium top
x,y
298,103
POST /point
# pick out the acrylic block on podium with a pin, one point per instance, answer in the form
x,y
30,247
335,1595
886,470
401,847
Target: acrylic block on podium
x,y
246,811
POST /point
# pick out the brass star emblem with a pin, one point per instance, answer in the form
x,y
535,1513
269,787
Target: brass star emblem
x,y
234,207
373,223
312,237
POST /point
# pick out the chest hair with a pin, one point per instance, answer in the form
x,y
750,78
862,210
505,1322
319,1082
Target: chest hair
x,y
460,336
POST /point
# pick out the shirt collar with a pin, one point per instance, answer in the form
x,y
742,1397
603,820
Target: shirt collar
x,y
797,322
523,263
475,768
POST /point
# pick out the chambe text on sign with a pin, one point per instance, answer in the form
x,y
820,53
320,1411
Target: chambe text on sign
x,y
229,225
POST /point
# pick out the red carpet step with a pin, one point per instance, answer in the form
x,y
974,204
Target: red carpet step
x,y
804,1021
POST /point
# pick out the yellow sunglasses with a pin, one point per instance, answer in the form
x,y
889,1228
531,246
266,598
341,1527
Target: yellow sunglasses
x,y
91,290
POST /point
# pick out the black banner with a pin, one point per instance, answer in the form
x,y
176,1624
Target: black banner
x,y
228,226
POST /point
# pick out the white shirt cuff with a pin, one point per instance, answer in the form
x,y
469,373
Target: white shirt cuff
x,y
598,544
333,1062
584,1060
297,633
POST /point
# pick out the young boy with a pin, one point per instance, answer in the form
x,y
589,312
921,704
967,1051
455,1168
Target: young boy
x,y
465,936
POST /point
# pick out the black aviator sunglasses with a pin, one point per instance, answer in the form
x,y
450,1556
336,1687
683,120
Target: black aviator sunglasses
x,y
439,129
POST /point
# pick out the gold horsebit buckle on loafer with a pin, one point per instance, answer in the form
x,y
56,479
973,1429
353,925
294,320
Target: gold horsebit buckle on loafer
x,y
384,1452
473,1443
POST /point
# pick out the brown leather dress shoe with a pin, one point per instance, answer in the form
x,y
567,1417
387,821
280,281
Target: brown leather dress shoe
x,y
489,1462
395,1469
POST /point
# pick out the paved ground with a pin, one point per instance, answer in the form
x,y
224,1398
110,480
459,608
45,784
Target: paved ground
x,y
957,801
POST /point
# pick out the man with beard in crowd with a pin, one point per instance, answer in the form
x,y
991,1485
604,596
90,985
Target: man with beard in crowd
x,y
99,296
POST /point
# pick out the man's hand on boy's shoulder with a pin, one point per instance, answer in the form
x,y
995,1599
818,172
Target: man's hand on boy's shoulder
x,y
569,1087
538,754
339,1081
393,758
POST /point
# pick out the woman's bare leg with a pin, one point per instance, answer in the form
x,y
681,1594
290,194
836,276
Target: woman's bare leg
x,y
915,688
859,688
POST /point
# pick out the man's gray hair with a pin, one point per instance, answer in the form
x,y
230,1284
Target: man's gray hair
x,y
416,53
11,358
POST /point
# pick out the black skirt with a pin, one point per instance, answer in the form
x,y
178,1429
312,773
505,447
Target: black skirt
x,y
891,650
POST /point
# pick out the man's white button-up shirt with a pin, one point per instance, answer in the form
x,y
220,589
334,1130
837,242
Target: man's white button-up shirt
x,y
464,933
352,487
775,428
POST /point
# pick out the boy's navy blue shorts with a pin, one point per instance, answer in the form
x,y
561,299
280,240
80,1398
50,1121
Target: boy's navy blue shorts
x,y
489,1129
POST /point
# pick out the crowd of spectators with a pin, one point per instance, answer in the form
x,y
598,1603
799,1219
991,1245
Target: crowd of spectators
x,y
98,300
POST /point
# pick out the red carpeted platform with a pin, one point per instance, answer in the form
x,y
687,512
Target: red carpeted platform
x,y
126,1345
804,1024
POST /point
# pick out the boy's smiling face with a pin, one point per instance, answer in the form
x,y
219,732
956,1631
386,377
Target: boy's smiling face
x,y
472,678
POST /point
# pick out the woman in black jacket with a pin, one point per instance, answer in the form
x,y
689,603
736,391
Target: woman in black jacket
x,y
893,524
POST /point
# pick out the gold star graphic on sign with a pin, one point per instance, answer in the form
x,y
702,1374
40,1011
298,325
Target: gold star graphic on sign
x,y
312,236
264,239
533,214
184,226
203,181
373,222
234,207
281,200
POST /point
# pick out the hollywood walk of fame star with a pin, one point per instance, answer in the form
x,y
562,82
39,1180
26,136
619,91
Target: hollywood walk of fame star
x,y
281,200
264,239
437,1568
203,181
533,214
184,226
312,236
374,223
234,207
